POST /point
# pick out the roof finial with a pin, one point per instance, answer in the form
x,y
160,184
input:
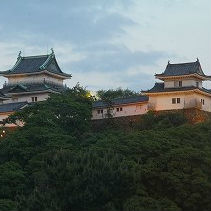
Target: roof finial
x,y
19,54
197,59
168,61
52,51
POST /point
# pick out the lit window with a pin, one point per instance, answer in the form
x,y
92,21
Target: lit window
x,y
173,100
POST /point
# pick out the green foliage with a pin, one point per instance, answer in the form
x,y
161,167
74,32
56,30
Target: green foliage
x,y
151,120
108,95
7,205
55,162
115,93
69,111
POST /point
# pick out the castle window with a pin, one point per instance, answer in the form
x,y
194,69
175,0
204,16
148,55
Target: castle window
x,y
202,101
180,83
178,100
34,99
119,109
197,84
173,100
100,111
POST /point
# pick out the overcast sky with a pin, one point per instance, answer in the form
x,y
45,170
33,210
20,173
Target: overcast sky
x,y
108,43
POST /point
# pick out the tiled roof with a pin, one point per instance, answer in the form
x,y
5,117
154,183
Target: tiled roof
x,y
10,107
183,69
2,96
27,88
121,101
34,64
159,87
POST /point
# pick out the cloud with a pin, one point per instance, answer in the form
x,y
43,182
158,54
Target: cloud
x,y
115,59
75,21
107,43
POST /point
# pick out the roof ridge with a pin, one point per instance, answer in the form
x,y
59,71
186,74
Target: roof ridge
x,y
122,98
183,63
43,66
38,56
17,63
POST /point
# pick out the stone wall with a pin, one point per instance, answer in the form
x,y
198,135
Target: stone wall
x,y
192,115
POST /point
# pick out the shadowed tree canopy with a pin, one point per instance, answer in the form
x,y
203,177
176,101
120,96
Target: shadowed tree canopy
x,y
69,111
57,162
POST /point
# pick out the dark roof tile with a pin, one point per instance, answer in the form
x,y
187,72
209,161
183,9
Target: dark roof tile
x,y
35,64
121,101
183,69
11,107
159,87
34,87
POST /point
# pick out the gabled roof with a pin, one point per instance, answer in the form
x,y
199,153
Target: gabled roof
x,y
36,64
182,69
121,101
11,107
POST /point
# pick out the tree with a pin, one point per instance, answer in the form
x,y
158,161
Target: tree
x,y
56,162
69,111
108,95
115,93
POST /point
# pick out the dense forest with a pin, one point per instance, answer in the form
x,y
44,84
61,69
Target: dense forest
x,y
57,161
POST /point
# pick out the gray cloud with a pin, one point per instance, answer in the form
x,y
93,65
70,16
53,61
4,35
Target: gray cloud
x,y
77,21
110,58
93,38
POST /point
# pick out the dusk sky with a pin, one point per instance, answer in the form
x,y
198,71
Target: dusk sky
x,y
108,43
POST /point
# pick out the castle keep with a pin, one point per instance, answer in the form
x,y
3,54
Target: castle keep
x,y
31,79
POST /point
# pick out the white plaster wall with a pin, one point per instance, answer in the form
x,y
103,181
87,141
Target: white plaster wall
x,y
164,102
185,83
127,110
168,84
28,98
4,116
34,79
207,101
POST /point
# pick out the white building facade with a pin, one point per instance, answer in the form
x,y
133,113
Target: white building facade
x,y
30,80
122,107
182,88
